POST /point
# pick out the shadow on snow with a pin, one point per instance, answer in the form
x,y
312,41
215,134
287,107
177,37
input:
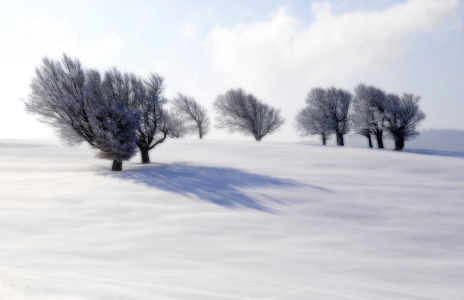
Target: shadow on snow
x,y
435,152
221,186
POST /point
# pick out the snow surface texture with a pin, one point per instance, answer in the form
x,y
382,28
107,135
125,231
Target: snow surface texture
x,y
230,220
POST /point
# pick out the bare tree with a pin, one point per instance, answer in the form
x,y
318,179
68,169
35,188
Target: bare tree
x,y
403,116
309,121
147,101
177,127
81,107
192,112
361,119
331,106
241,112
373,100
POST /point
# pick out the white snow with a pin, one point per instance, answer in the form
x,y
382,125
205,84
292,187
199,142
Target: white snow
x,y
230,220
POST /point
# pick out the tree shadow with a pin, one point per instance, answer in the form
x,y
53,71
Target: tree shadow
x,y
221,186
435,152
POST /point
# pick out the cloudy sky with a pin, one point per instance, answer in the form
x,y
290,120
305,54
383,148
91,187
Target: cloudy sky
x,y
277,50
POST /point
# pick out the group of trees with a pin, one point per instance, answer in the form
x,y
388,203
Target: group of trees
x,y
326,113
370,112
117,112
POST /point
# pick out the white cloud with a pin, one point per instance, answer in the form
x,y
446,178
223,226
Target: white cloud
x,y
265,56
188,29
52,39
96,55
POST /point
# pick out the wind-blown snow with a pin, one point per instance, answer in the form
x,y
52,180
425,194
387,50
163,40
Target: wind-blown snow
x,y
230,220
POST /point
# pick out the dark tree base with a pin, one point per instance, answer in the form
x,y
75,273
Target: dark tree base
x,y
399,145
370,141
379,141
117,166
145,156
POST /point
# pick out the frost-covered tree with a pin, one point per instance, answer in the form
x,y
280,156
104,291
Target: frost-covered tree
x,y
361,119
115,121
403,116
330,107
242,112
193,113
148,102
82,107
177,125
310,121
373,100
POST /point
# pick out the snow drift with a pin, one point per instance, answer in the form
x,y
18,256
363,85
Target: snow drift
x,y
230,220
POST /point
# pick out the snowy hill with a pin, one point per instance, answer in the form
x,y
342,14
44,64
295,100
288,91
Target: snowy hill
x,y
230,220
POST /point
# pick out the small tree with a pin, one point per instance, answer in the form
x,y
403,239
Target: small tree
x,y
403,116
81,107
241,112
309,121
330,106
361,119
177,125
373,100
193,113
148,102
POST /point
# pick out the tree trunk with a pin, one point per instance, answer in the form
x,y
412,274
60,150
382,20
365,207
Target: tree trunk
x,y
370,141
340,140
379,136
145,155
324,139
399,144
258,138
117,166
201,133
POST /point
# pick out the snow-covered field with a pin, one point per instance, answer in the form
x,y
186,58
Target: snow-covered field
x,y
230,220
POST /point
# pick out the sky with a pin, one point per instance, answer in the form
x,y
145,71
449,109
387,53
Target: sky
x,y
276,50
